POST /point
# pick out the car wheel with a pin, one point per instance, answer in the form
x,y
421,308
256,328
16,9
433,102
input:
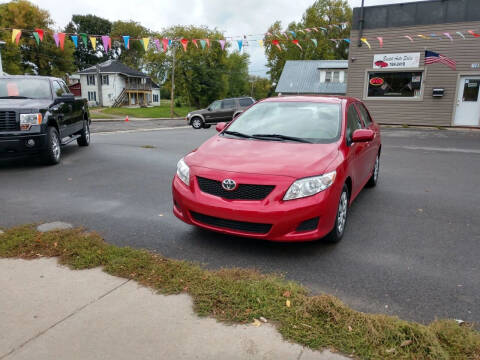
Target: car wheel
x,y
53,151
341,219
84,139
207,126
376,168
197,123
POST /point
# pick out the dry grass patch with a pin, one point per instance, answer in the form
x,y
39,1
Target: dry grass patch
x,y
240,296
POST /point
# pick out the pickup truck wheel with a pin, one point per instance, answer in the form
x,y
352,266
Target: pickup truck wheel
x,y
197,123
53,151
84,139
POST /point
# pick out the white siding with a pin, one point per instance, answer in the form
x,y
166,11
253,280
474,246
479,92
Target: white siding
x,y
116,83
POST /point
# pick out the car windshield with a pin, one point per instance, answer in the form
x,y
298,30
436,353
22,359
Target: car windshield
x,y
311,121
25,88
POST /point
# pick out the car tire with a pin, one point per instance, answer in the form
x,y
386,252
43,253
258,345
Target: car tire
x,y
84,139
341,218
197,123
53,151
372,182
207,126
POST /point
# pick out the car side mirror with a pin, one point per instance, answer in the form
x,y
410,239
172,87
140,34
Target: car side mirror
x,y
362,135
65,98
220,126
209,108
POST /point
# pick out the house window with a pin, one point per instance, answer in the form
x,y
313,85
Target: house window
x,y
90,79
92,96
400,84
332,76
155,97
105,80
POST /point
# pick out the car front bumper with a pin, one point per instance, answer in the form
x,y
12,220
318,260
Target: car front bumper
x,y
18,145
270,219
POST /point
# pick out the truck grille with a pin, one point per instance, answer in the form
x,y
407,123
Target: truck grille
x,y
255,228
242,192
8,121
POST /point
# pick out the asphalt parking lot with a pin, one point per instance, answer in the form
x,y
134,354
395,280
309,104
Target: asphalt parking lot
x,y
411,248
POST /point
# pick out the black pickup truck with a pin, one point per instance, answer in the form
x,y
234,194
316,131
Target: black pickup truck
x,y
38,115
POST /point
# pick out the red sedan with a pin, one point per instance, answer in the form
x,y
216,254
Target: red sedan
x,y
287,169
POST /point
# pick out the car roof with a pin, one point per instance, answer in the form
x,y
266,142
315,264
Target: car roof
x,y
328,99
29,77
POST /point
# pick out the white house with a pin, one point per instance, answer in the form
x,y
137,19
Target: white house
x,y
327,77
120,85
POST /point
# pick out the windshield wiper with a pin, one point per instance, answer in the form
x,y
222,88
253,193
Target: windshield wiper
x,y
281,137
236,133
14,97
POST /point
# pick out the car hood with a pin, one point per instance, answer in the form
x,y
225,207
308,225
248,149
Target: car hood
x,y
25,104
295,160
200,111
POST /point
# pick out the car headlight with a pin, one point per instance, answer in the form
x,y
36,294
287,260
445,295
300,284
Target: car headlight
x,y
310,186
27,120
183,171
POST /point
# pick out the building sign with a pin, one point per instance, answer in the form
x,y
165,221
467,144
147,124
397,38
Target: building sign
x,y
395,61
376,81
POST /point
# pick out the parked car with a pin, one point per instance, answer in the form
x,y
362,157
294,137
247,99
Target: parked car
x,y
287,169
218,111
38,115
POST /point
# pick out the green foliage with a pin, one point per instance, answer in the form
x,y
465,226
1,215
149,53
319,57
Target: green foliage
x,y
135,56
28,57
260,88
322,13
85,56
237,67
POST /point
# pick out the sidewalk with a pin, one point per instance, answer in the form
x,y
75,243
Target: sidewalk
x,y
50,312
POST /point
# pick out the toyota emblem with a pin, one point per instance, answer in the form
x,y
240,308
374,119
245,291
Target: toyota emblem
x,y
229,184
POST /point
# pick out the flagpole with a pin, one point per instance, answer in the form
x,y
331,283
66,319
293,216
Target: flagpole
x,y
172,94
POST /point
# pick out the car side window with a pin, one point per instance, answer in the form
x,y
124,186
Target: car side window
x,y
57,89
353,123
367,120
215,105
65,87
228,104
245,102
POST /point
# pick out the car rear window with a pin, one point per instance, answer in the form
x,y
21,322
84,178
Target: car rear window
x,y
245,102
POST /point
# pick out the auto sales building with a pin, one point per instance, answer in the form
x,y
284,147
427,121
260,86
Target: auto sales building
x,y
389,73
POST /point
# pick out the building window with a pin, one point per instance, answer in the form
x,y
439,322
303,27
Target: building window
x,y
105,80
401,84
155,97
332,76
90,79
92,96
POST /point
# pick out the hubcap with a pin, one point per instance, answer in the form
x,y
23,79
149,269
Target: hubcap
x,y
377,167
87,133
342,212
55,147
196,123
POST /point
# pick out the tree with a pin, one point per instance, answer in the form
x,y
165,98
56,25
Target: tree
x,y
85,56
135,55
260,87
28,57
237,70
327,14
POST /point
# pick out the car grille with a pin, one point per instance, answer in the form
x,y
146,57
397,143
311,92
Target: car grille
x,y
255,228
8,121
242,192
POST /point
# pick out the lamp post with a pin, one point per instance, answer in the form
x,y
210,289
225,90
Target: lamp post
x,y
1,67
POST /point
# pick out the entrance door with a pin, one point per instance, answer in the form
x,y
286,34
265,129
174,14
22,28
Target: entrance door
x,y
468,102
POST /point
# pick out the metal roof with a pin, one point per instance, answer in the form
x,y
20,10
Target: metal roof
x,y
113,66
303,77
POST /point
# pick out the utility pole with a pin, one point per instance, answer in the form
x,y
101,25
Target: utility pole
x,y
99,86
172,94
1,67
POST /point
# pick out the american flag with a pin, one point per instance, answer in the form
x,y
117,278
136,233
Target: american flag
x,y
433,57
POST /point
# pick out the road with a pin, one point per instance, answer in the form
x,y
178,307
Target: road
x,y
412,244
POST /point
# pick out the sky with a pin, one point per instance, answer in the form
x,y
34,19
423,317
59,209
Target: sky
x,y
233,17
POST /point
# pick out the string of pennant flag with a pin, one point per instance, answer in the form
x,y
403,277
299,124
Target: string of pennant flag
x,y
278,39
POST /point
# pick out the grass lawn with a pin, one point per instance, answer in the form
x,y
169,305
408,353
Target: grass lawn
x,y
242,296
162,111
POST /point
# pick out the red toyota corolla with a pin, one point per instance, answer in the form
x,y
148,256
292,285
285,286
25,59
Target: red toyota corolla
x,y
286,169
